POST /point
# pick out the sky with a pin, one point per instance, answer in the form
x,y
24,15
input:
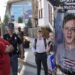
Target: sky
x,y
2,8
21,9
3,4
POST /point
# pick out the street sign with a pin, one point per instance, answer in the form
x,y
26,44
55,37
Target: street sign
x,y
69,7
68,4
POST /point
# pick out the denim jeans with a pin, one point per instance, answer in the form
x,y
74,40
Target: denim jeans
x,y
14,64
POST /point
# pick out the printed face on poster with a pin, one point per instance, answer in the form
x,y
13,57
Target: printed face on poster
x,y
65,39
64,25
61,21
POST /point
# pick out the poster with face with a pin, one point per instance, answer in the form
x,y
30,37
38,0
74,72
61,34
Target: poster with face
x,y
64,25
65,40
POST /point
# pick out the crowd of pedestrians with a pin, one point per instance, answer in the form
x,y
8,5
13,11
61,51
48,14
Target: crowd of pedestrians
x,y
10,45
45,51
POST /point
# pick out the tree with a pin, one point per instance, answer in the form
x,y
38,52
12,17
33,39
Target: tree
x,y
6,19
20,20
29,24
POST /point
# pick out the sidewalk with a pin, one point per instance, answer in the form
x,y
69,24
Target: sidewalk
x,y
28,65
29,57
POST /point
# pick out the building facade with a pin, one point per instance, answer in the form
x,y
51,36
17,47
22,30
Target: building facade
x,y
45,14
35,13
19,9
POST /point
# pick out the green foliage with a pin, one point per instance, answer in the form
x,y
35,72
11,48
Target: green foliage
x,y
29,24
20,20
58,2
6,19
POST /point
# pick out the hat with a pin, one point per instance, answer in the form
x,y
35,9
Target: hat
x,y
10,26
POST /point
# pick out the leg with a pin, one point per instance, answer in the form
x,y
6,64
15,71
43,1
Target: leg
x,y
14,64
44,63
38,63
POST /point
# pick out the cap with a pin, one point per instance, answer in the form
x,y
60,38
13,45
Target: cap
x,y
11,26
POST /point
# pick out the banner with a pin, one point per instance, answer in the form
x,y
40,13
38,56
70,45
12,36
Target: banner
x,y
65,39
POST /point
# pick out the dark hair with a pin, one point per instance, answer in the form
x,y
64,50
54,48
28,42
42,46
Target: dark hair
x,y
11,26
39,31
68,17
19,28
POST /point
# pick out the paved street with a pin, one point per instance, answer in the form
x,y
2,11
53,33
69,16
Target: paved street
x,y
28,70
28,66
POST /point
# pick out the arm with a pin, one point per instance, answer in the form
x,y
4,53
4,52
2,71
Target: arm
x,y
32,45
7,45
9,48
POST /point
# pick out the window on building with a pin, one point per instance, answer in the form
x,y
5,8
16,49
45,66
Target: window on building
x,y
40,3
40,13
50,13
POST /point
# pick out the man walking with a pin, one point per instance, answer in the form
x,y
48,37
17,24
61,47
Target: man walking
x,y
14,40
39,49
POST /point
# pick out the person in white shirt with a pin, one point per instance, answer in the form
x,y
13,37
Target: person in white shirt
x,y
39,49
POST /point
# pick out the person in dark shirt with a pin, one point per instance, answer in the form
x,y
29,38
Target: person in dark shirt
x,y
13,38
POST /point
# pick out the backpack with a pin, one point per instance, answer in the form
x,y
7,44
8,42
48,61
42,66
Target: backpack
x,y
44,43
